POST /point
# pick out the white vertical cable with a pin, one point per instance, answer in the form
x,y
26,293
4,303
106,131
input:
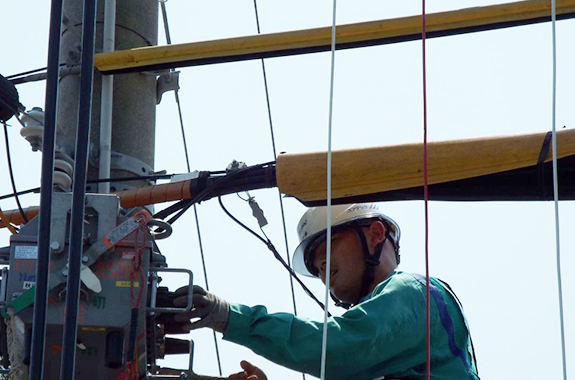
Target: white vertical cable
x,y
105,154
328,235
556,188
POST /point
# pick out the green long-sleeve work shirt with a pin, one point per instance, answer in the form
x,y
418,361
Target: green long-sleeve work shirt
x,y
382,336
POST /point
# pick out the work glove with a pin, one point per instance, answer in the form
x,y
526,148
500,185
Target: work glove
x,y
212,311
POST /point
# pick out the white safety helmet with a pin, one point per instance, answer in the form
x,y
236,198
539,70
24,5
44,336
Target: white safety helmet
x,y
313,225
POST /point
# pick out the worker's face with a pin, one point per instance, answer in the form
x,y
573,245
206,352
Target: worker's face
x,y
347,265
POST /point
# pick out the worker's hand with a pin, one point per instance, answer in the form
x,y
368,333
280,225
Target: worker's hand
x,y
212,311
251,372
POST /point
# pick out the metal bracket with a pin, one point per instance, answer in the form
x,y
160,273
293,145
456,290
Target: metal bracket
x,y
120,161
167,82
106,206
173,309
130,164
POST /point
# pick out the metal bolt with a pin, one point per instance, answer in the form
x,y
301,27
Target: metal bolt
x,y
85,259
65,272
54,246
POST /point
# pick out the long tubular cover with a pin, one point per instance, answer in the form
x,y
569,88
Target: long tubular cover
x,y
366,171
494,168
319,39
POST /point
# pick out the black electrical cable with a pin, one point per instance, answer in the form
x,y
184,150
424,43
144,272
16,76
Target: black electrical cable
x,y
243,199
134,178
29,72
12,174
163,214
34,190
119,179
272,248
219,185
215,188
185,205
68,362
36,368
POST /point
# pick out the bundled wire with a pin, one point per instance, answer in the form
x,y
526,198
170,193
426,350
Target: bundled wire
x,y
210,185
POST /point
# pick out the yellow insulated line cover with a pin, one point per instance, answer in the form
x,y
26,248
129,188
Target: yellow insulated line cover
x,y
318,39
358,172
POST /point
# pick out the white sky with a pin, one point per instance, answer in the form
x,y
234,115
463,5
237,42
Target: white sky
x,y
498,257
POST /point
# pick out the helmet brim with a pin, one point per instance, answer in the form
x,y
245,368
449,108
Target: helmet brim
x,y
298,260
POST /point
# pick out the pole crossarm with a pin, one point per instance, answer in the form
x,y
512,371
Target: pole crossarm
x,y
316,40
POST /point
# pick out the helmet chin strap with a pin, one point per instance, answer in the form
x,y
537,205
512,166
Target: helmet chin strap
x,y
371,262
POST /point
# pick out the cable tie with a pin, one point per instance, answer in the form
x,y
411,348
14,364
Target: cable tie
x,y
541,163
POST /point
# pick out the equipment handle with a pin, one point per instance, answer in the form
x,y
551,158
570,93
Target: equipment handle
x,y
190,293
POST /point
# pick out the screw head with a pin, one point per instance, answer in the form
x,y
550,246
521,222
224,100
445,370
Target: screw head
x,y
85,259
54,246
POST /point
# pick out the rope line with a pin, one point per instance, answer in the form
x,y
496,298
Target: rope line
x,y
177,98
275,157
426,200
204,267
556,187
328,228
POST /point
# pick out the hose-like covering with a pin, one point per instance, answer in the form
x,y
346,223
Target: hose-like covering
x,y
9,101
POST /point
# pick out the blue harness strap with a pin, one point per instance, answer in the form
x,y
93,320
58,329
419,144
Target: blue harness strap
x,y
446,322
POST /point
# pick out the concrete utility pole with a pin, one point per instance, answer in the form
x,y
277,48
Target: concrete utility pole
x,y
71,227
134,100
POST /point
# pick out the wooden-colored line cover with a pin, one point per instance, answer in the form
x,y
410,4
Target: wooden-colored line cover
x,y
366,171
374,170
292,42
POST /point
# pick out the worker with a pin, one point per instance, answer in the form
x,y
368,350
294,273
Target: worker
x,y
383,332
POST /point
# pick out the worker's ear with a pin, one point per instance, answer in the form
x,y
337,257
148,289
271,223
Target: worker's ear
x,y
375,234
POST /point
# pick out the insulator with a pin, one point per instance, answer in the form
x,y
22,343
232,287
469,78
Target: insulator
x,y
9,101
34,127
63,173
